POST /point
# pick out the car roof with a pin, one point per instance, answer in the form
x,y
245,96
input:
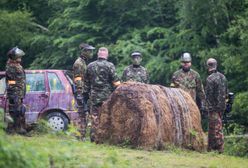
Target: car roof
x,y
39,70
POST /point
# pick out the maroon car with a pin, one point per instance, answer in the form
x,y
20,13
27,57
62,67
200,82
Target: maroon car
x,y
49,95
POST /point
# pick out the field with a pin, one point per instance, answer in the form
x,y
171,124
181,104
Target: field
x,y
61,151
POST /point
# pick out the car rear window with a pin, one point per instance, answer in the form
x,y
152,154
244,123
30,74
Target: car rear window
x,y
54,82
35,82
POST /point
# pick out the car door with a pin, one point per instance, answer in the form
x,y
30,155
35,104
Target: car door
x,y
2,91
37,95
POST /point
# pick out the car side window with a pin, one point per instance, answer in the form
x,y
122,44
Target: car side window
x,y
54,82
2,85
35,82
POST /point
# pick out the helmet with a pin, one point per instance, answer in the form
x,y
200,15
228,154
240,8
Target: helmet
x,y
212,64
136,53
15,53
186,57
84,46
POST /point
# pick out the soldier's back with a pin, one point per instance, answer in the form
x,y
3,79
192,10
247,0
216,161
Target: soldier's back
x,y
100,73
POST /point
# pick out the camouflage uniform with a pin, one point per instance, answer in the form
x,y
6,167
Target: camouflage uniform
x,y
79,71
190,82
100,77
16,90
216,92
135,73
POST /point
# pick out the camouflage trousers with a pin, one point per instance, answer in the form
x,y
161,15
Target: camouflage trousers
x,y
17,113
82,125
215,132
95,112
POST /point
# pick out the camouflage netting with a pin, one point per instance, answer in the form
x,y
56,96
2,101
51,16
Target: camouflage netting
x,y
150,116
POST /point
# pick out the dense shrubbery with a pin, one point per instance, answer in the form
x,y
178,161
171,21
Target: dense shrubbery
x,y
236,143
240,109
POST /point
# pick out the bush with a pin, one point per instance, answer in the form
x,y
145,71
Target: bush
x,y
237,143
240,109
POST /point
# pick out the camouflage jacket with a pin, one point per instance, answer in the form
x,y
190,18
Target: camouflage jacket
x,y
190,82
79,72
138,74
216,92
15,79
99,81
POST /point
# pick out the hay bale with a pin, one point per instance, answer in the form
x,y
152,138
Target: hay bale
x,y
150,116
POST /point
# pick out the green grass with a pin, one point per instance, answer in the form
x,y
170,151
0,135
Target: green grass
x,y
62,151
57,151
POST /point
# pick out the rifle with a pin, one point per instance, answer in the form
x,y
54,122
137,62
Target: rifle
x,y
226,115
85,102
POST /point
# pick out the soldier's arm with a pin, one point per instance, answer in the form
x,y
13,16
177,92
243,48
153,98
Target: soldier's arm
x,y
124,76
200,91
87,83
78,76
11,75
114,77
174,83
210,89
147,78
222,94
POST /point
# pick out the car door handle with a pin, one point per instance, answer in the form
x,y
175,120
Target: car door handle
x,y
44,95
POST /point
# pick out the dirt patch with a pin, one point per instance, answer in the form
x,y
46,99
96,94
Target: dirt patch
x,y
150,116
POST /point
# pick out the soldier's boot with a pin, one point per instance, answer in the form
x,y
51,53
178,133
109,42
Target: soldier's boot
x,y
10,128
20,126
94,125
11,125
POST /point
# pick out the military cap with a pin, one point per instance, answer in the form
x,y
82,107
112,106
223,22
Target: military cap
x,y
136,53
86,46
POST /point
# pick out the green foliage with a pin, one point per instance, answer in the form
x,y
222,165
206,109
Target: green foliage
x,y
240,108
236,146
236,143
40,128
54,151
50,32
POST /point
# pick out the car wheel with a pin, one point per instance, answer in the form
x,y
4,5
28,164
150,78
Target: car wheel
x,y
57,121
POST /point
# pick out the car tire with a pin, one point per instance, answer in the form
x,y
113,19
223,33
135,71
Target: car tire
x,y
57,121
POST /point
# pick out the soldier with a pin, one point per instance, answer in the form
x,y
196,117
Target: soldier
x,y
136,72
216,93
189,80
16,90
79,71
100,79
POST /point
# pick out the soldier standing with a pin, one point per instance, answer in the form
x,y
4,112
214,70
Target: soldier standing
x,y
216,93
79,71
189,80
16,90
100,79
136,72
